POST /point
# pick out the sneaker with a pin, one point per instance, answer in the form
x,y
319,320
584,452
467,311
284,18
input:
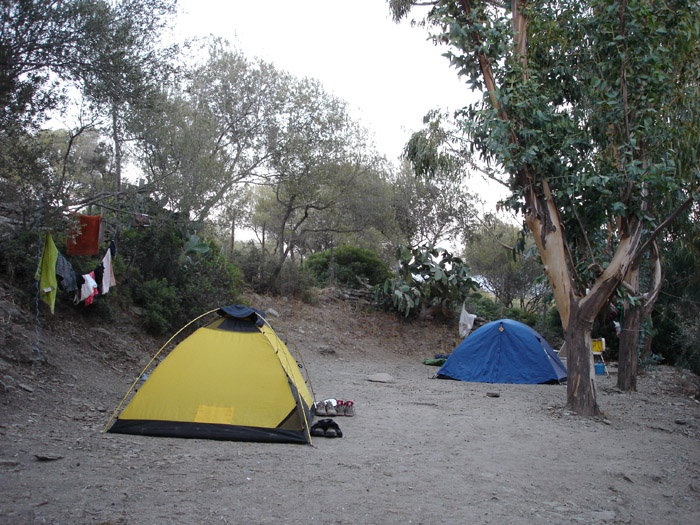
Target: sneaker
x,y
349,409
340,407
321,409
330,409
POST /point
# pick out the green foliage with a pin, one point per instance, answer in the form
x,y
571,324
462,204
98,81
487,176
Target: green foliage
x,y
650,361
604,96
430,281
431,207
159,301
262,272
505,259
185,282
676,313
18,257
482,306
293,281
349,265
688,340
523,316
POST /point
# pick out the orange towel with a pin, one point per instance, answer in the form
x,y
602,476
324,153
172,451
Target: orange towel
x,y
86,240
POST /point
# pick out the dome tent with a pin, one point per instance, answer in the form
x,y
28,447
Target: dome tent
x,y
504,351
232,379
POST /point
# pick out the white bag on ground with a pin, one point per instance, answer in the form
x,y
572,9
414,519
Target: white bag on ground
x,y
466,321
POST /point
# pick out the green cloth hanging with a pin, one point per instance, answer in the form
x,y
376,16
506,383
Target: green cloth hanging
x,y
46,272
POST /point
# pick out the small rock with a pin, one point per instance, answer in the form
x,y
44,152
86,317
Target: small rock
x,y
680,422
380,378
273,312
493,394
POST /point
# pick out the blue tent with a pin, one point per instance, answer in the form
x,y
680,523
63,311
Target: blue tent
x,y
504,351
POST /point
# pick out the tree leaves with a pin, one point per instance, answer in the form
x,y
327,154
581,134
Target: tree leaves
x,y
428,277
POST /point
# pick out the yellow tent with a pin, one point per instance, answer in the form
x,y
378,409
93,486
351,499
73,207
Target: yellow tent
x,y
232,379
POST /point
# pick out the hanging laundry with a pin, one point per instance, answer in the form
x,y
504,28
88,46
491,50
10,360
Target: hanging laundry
x,y
46,272
88,290
108,274
86,239
466,322
64,270
97,274
89,300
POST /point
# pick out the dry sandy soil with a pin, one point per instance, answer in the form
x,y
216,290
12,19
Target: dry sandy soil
x,y
419,450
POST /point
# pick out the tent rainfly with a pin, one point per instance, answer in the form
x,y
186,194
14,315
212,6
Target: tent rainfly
x,y
232,379
504,351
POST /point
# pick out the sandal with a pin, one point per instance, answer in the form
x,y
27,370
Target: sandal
x,y
317,430
333,430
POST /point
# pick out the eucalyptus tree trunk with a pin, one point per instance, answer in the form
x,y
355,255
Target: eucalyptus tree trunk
x,y
632,318
581,386
628,359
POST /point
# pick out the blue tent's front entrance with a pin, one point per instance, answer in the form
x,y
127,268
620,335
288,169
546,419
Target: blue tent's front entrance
x,y
504,351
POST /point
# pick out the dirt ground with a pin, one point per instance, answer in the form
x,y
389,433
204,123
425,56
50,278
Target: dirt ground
x,y
419,450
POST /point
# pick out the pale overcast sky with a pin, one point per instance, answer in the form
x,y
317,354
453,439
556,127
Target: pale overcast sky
x,y
389,74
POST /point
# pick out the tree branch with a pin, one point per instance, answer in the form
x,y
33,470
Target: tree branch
x,y
661,227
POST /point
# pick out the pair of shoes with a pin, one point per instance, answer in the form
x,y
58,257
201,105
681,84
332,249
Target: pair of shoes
x,y
326,428
345,408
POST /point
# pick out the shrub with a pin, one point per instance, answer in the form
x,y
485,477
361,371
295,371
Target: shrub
x,y
294,281
187,277
160,304
483,307
518,314
431,282
349,264
688,341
